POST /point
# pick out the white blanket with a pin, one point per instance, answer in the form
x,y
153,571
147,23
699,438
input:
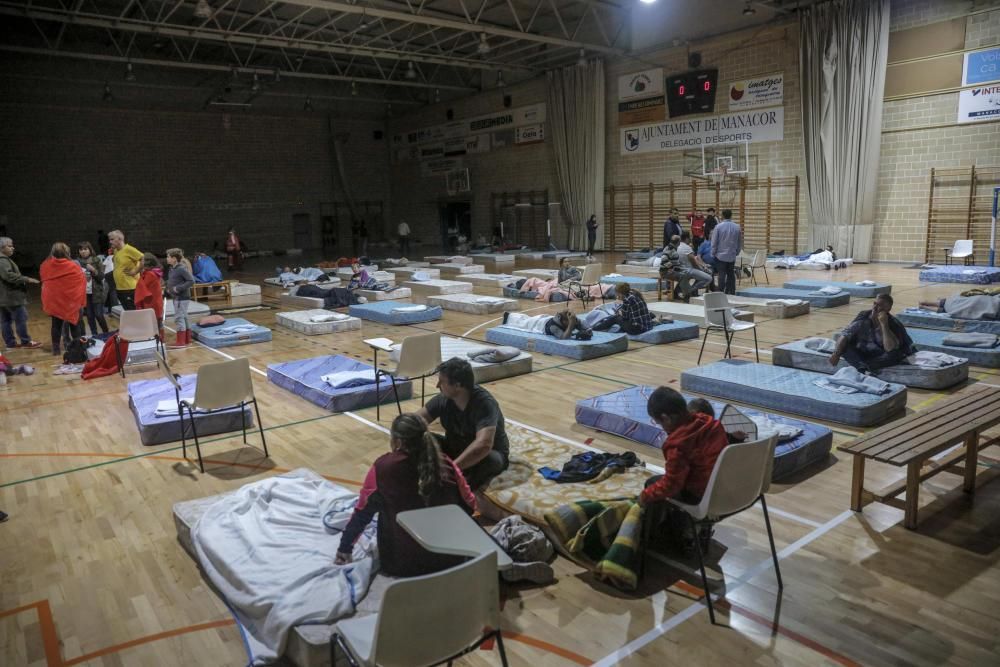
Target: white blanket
x,y
767,427
169,408
927,359
267,551
409,309
866,283
784,302
349,378
829,290
328,317
851,378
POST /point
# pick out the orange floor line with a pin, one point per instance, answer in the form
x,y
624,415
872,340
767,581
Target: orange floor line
x,y
108,650
50,640
545,646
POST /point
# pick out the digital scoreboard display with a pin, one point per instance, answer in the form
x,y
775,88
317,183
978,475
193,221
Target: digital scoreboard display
x,y
692,92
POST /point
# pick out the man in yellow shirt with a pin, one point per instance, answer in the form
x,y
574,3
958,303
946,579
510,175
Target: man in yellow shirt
x,y
128,262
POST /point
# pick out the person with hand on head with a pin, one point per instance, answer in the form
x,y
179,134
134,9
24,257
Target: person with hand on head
x,y
474,433
414,474
128,265
13,299
874,340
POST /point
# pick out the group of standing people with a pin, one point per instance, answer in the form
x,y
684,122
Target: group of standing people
x,y
693,258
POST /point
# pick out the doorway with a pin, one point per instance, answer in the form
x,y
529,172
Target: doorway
x,y
456,225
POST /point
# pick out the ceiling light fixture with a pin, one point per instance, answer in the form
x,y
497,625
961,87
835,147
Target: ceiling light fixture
x,y
647,2
411,73
277,76
437,95
748,10
107,97
308,106
388,109
129,74
500,83
484,46
203,10
256,83
582,60
354,89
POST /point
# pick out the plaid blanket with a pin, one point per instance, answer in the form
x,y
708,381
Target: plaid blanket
x,y
603,535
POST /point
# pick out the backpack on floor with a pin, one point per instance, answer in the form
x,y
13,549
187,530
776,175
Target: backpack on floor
x,y
76,351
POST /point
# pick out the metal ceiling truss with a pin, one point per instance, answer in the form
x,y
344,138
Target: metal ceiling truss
x,y
365,40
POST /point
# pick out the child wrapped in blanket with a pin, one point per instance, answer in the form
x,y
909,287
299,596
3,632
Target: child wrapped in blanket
x,y
562,325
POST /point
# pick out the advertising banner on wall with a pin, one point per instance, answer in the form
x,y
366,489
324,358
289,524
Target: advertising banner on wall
x,y
532,114
751,126
647,83
981,67
979,104
639,112
440,166
763,91
529,134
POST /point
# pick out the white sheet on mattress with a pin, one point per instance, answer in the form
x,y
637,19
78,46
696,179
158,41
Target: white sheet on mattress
x,y
266,549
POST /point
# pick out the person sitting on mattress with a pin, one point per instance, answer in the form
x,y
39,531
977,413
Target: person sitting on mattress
x,y
474,434
632,316
693,444
359,278
874,339
674,267
562,325
413,475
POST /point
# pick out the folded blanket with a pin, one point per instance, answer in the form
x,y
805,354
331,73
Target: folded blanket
x,y
237,329
821,345
345,379
409,309
169,408
829,290
603,535
489,300
978,340
420,276
853,378
767,427
866,283
926,359
973,272
329,317
837,388
784,302
493,355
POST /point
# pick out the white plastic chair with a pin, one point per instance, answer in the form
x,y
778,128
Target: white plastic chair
x,y
419,356
137,326
591,276
719,317
741,477
758,261
427,620
961,250
221,386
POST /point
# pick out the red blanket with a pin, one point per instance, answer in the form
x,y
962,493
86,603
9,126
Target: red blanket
x,y
107,363
149,293
64,289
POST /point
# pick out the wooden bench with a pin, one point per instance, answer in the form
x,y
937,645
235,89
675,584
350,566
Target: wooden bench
x,y
219,290
912,441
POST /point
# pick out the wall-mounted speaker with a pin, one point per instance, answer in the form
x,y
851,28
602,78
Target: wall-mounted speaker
x,y
694,60
377,135
507,101
449,114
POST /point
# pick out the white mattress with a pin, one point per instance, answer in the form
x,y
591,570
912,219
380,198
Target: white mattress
x,y
381,295
497,280
195,308
460,347
782,263
544,274
496,258
292,301
471,303
638,271
689,312
381,276
406,272
244,289
763,307
298,320
457,269
430,287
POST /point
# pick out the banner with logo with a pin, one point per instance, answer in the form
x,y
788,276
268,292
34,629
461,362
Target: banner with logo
x,y
440,166
639,112
647,83
981,67
533,114
529,134
751,126
764,91
979,104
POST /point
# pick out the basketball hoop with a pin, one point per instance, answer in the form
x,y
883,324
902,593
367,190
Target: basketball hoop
x,y
724,185
719,176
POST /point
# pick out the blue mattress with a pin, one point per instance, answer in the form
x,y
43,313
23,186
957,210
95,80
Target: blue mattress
x,y
815,301
668,332
635,282
955,274
382,311
926,319
797,355
933,341
514,293
790,390
143,395
602,344
850,288
624,413
214,336
302,377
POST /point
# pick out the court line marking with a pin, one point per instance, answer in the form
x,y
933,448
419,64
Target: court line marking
x,y
698,607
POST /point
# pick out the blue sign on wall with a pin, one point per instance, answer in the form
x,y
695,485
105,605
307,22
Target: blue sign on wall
x,y
981,67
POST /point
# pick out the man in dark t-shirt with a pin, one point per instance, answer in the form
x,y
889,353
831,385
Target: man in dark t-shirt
x,y
474,435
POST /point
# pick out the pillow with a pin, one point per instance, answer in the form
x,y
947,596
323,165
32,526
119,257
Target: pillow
x,y
494,355
211,321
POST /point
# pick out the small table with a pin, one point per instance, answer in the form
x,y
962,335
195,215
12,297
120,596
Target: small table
x,y
446,529
206,291
913,440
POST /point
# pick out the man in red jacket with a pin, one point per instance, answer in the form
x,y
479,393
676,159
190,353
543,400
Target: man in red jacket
x,y
694,442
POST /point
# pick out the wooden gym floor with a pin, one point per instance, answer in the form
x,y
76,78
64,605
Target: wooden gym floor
x,y
91,572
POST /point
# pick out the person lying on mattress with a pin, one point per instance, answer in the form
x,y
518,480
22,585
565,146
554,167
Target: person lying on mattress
x,y
694,442
474,434
632,316
967,306
562,325
874,339
413,475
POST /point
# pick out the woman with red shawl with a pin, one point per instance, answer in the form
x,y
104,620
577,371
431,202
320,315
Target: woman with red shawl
x,y
149,289
64,294
234,250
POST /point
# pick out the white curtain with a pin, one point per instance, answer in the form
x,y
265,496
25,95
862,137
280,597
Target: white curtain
x,y
576,118
842,62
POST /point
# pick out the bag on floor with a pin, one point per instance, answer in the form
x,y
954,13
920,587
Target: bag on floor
x,y
76,351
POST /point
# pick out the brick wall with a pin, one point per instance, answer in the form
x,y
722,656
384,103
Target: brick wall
x,y
173,178
921,133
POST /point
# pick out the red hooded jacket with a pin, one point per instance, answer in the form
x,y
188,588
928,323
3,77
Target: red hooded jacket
x,y
64,289
149,292
689,455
